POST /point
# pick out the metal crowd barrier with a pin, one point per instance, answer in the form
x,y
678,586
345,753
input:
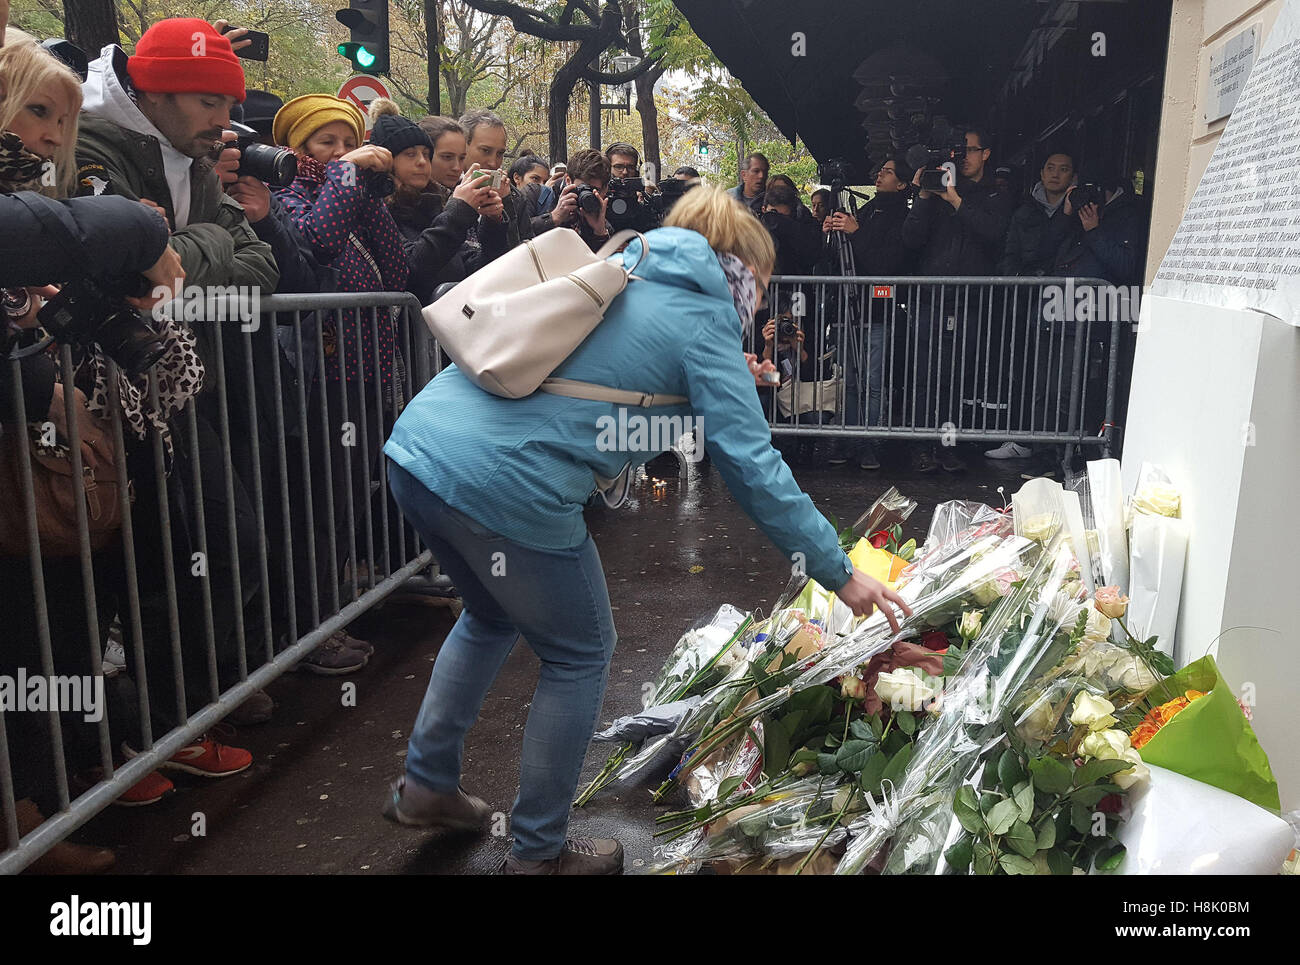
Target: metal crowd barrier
x,y
952,359
254,442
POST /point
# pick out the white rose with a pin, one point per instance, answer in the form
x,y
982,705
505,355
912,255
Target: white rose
x,y
906,689
1098,627
1157,499
1131,673
1038,726
970,624
1040,527
1095,713
1106,745
1138,772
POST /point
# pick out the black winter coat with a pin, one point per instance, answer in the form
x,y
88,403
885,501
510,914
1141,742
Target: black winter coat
x,y
1033,239
960,242
878,249
1113,250
44,242
433,237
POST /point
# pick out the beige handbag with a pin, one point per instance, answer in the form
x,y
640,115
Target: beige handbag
x,y
509,325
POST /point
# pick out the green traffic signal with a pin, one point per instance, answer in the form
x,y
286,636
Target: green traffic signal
x,y
358,54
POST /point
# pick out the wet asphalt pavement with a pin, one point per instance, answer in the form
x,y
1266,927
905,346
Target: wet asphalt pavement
x,y
310,802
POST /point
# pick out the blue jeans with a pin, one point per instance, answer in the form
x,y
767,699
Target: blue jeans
x,y
558,600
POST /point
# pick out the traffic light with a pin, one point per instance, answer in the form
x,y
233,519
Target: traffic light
x,y
704,148
368,22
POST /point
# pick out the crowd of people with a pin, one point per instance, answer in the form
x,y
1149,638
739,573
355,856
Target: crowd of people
x,y
131,170
977,227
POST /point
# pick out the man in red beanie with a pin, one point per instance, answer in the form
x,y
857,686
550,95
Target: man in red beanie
x,y
150,129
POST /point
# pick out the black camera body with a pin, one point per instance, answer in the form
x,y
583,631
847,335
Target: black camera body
x,y
275,166
786,328
1089,192
837,173
588,200
630,207
378,184
86,313
942,166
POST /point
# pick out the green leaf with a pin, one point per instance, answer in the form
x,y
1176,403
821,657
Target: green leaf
x,y
861,729
826,764
1050,774
869,779
907,550
1024,798
1110,858
960,854
1080,818
1046,836
832,739
877,725
896,741
1002,816
1010,771
984,864
853,756
1089,797
727,787
1063,828
793,722
804,756
776,748
906,723
1013,733
1059,862
817,702
1021,839
1014,864
1095,769
897,766
965,806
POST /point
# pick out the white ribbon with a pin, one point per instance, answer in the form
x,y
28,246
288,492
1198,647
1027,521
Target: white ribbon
x,y
885,815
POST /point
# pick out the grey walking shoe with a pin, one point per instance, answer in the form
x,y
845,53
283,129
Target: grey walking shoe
x,y
334,656
581,856
415,806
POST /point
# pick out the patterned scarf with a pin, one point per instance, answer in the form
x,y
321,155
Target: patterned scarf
x,y
743,290
19,167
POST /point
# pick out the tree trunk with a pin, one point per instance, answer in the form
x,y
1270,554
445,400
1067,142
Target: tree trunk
x,y
594,94
567,76
432,17
91,24
649,111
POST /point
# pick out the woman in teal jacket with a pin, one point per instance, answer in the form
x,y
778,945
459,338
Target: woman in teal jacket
x,y
497,486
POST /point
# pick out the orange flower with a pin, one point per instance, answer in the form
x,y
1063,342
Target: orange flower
x,y
1159,716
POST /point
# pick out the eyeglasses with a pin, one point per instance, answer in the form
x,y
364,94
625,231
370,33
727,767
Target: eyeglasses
x,y
969,148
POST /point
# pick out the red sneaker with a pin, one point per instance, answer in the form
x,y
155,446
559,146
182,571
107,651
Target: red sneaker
x,y
151,790
205,758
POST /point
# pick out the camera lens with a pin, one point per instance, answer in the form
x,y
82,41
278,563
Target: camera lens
x,y
130,341
273,165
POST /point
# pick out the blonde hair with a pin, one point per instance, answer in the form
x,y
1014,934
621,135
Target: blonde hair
x,y
726,224
25,68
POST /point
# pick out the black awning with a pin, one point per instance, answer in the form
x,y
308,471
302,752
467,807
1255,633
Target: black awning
x,y
868,65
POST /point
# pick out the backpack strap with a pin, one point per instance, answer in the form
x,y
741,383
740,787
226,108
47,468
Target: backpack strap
x,y
601,393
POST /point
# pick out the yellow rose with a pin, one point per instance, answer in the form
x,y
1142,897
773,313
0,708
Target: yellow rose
x,y
1095,713
1158,499
970,624
852,687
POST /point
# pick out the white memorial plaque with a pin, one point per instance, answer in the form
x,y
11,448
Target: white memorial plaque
x,y
1238,245
1230,65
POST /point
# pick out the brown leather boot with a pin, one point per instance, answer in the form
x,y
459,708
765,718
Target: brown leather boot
x,y
65,858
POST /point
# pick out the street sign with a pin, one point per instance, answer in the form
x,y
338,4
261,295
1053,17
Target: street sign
x,y
361,89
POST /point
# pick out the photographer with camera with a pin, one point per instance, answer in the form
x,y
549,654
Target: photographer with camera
x,y
808,392
582,204
529,173
338,204
433,227
1037,229
876,237
485,143
48,241
753,183
798,240
958,224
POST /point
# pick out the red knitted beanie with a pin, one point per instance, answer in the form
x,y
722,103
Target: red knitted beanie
x,y
185,55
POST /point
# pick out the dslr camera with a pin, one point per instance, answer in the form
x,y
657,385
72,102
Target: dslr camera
x,y
940,159
86,313
1086,193
630,206
275,166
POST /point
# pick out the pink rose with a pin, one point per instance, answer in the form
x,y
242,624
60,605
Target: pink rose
x,y
1110,603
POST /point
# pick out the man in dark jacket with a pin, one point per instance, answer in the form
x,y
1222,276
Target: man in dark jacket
x,y
876,237
1037,229
798,240
149,126
959,231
